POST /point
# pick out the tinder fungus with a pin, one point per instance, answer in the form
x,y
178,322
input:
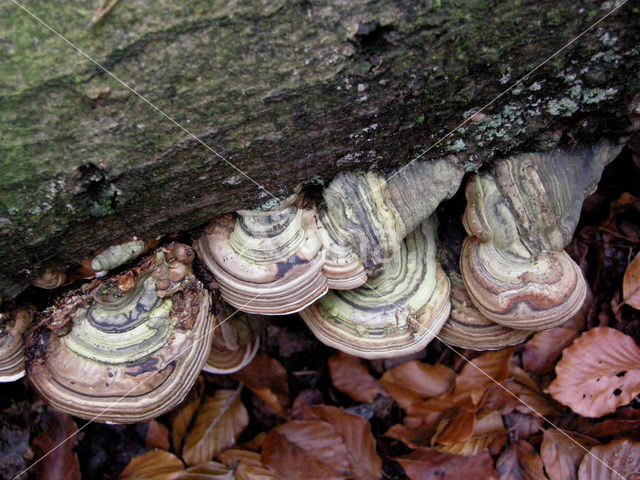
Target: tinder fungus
x,y
126,348
520,216
395,313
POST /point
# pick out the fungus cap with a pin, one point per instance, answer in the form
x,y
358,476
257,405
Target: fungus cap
x,y
126,348
394,314
13,325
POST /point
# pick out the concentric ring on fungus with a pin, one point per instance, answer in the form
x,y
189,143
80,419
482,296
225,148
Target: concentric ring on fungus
x,y
520,216
396,313
126,348
266,262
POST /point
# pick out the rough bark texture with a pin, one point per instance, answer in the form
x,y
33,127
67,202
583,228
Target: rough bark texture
x,y
290,92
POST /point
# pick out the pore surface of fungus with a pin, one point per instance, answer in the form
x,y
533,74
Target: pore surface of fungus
x,y
520,216
395,313
127,348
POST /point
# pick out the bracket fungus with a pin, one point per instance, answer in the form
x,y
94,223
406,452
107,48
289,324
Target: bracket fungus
x,y
267,262
235,340
520,216
468,328
13,325
373,215
126,348
395,313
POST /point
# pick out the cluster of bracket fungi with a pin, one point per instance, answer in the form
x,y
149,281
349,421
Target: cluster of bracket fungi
x,y
359,265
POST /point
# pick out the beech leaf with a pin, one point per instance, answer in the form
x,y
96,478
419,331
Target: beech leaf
x,y
207,471
59,462
541,353
412,380
617,460
431,464
350,376
182,416
598,373
153,465
520,461
483,372
247,465
219,422
157,435
267,379
356,434
631,283
306,449
561,455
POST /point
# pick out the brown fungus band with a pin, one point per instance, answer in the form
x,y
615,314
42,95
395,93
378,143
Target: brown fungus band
x,y
13,325
520,216
127,348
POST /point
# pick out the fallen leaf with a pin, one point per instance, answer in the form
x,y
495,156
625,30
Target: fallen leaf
x,y
305,398
520,461
219,422
483,372
207,471
521,426
623,420
247,465
157,435
350,376
311,449
457,428
598,373
412,380
60,462
543,350
266,378
153,465
562,452
356,434
182,416
431,464
631,283
494,442
617,460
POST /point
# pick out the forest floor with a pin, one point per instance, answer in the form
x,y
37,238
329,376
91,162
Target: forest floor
x,y
300,404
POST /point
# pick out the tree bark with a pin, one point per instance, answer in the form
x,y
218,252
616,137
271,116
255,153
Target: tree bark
x,y
282,93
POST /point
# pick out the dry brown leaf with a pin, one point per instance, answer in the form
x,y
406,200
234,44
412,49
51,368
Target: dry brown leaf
x,y
219,422
310,448
153,465
617,460
312,396
631,283
520,461
521,426
248,465
598,373
267,378
541,353
561,455
356,434
182,416
624,419
483,372
350,376
412,380
431,464
208,471
58,461
494,442
157,435
457,428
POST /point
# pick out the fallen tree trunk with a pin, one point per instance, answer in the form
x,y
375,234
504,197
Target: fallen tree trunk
x,y
251,98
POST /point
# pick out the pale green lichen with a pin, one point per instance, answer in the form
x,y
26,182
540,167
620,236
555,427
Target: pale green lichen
x,y
564,107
